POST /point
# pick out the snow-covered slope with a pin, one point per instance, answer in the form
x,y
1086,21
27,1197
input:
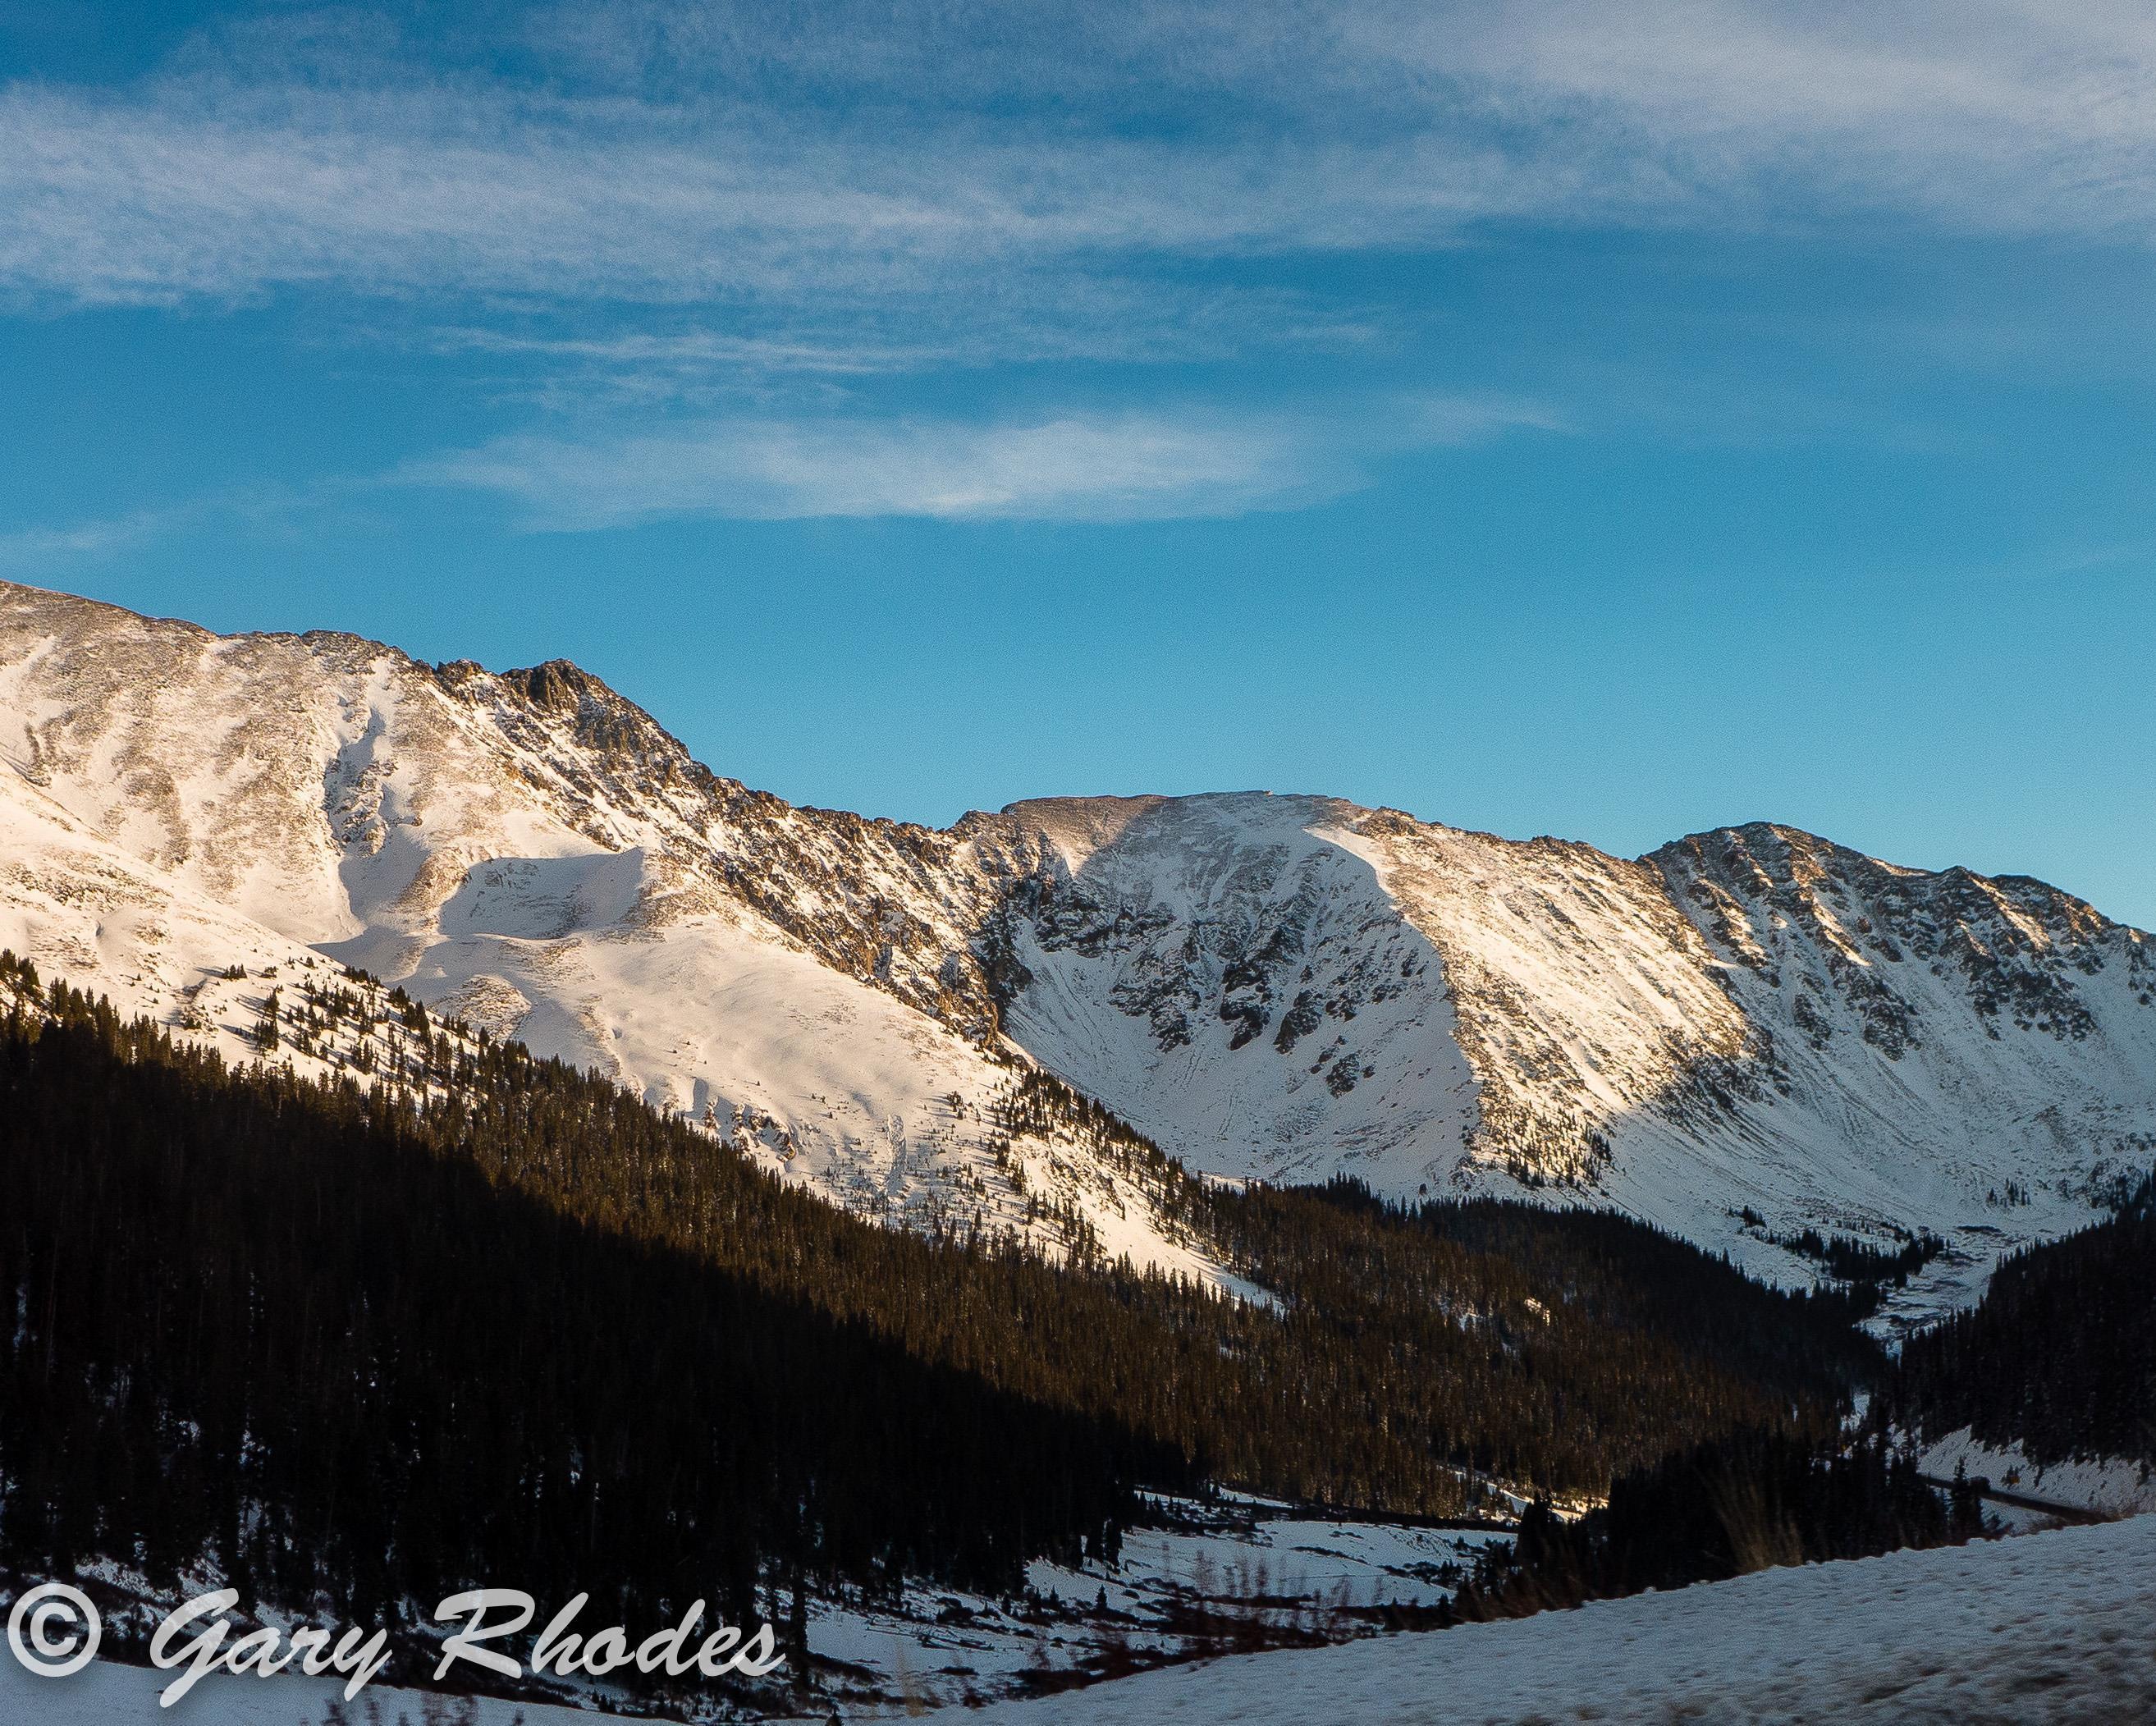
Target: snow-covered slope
x,y
2046,1627
2108,1486
1281,987
1750,1019
86,910
532,854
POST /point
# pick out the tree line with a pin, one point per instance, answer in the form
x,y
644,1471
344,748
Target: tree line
x,y
330,1344
2060,1355
1747,1500
370,1344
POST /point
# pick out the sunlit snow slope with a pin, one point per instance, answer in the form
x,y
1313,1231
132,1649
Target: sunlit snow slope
x,y
1271,986
530,853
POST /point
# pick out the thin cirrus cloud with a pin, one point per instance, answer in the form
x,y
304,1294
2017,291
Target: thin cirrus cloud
x,y
1087,467
275,509
1986,116
1075,466
411,191
696,353
31,548
792,251
935,149
648,206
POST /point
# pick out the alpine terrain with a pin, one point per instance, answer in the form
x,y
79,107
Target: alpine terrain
x,y
1748,1034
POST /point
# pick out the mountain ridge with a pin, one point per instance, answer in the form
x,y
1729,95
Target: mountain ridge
x,y
1747,1022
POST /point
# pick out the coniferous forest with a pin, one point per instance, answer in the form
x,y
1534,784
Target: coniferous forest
x,y
1745,1502
2060,1356
350,1353
370,1346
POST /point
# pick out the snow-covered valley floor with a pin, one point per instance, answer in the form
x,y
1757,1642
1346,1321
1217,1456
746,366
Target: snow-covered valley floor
x,y
2049,1627
2055,1626
1237,1571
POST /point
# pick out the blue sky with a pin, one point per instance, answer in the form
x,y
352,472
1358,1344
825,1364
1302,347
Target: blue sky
x,y
1609,422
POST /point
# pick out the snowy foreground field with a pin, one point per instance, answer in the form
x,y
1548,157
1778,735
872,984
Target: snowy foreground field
x,y
2056,1626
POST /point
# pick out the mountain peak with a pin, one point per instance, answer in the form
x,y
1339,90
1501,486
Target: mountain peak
x,y
1748,1021
560,684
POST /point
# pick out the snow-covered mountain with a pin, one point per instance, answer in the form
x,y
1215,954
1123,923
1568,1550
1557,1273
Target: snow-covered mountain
x,y
532,854
1272,986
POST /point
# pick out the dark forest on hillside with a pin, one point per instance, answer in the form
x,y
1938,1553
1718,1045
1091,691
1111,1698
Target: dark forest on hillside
x,y
289,1328
1745,1502
364,1344
1616,1269
2060,1356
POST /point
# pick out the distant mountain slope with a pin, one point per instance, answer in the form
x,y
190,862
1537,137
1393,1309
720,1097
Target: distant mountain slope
x,y
1751,1020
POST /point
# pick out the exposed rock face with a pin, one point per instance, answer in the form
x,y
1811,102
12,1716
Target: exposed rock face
x,y
1275,986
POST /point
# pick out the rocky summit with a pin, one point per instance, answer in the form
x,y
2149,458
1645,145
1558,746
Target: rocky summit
x,y
1746,1034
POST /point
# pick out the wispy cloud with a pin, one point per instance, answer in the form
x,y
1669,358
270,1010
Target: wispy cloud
x,y
1990,116
1081,467
704,356
1072,466
28,549
273,509
743,210
645,159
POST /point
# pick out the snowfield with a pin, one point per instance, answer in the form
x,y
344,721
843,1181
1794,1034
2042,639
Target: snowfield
x,y
2109,1486
1748,1033
109,1694
2054,1626
1207,1572
2046,1627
